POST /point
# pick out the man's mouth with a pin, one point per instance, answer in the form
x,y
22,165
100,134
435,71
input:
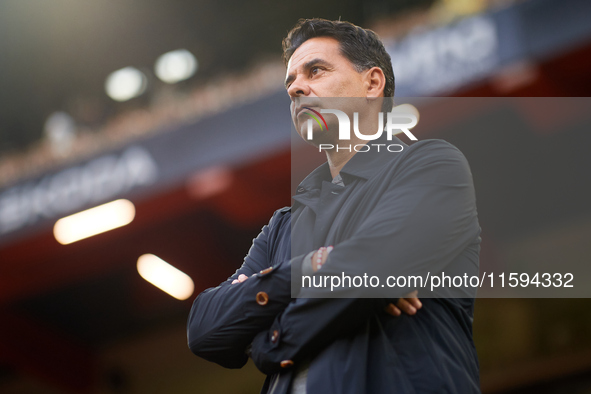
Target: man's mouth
x,y
300,110
306,109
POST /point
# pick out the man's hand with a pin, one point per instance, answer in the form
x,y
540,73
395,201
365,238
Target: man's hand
x,y
319,257
410,304
241,278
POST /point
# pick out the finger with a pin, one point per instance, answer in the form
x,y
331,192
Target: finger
x,y
391,309
406,307
415,302
235,281
242,278
326,250
318,259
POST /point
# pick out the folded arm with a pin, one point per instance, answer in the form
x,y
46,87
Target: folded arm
x,y
224,319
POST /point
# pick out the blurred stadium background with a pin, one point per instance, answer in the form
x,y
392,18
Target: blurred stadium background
x,y
178,107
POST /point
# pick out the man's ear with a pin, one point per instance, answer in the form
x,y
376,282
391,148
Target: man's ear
x,y
375,82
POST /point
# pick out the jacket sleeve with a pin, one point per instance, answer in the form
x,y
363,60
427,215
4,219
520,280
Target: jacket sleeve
x,y
224,319
425,218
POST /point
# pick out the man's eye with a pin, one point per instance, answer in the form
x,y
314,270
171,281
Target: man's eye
x,y
315,70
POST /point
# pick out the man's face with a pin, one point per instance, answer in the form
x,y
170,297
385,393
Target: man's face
x,y
318,69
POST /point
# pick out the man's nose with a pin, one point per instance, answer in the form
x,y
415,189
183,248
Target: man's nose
x,y
298,89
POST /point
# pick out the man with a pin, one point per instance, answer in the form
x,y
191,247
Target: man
x,y
410,211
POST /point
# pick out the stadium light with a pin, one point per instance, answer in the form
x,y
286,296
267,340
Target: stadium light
x,y
125,84
94,221
175,66
165,277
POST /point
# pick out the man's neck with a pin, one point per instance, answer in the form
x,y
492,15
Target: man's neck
x,y
337,158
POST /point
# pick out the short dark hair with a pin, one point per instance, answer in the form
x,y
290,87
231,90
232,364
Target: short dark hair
x,y
362,47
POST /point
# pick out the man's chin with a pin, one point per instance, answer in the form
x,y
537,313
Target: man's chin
x,y
317,138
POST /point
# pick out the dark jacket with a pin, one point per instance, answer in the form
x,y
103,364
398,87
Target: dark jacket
x,y
416,207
